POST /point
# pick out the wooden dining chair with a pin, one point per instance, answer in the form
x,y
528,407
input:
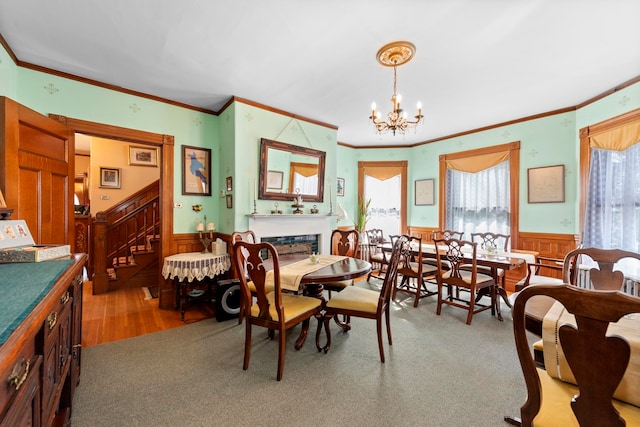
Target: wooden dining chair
x,y
355,301
492,242
250,237
413,272
344,243
274,310
603,276
447,234
378,258
597,361
459,273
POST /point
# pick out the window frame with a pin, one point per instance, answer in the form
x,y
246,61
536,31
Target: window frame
x,y
585,154
514,183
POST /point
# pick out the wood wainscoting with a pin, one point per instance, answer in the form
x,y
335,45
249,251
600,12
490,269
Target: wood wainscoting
x,y
543,244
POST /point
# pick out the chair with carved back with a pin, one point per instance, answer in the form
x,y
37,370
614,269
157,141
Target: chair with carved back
x,y
492,242
275,310
447,234
459,273
250,237
414,272
344,243
601,270
592,364
356,301
378,258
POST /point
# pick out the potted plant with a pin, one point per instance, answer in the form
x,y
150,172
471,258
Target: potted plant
x,y
362,214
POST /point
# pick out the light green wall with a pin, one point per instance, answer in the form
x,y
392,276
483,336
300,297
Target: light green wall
x,y
234,138
252,124
8,70
48,93
545,141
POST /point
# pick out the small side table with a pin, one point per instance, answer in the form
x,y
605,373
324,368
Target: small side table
x,y
185,267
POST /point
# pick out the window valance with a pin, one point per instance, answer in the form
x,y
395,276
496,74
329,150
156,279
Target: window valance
x,y
477,163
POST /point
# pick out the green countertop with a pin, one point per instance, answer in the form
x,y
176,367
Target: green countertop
x,y
22,287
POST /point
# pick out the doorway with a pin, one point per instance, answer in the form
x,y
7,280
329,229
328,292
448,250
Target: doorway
x,y
166,163
385,184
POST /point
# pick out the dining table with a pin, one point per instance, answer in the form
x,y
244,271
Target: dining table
x,y
301,275
496,261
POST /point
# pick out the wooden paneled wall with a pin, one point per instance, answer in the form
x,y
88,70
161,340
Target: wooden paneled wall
x,y
542,244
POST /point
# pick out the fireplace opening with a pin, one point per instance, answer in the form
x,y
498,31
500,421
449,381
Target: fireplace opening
x,y
301,244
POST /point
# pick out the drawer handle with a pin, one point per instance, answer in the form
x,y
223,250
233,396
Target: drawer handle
x,y
52,319
15,379
65,298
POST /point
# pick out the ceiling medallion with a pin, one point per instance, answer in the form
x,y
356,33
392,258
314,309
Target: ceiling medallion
x,y
394,55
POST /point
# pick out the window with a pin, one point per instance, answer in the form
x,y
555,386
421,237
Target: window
x,y
479,190
610,173
479,202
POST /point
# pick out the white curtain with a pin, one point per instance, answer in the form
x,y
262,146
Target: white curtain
x,y
479,202
612,217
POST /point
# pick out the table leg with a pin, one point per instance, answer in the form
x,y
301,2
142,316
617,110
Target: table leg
x,y
303,334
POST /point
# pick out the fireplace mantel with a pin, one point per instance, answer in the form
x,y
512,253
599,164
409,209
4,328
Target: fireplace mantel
x,y
294,225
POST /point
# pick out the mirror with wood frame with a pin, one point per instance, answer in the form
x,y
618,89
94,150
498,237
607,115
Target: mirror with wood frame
x,y
286,170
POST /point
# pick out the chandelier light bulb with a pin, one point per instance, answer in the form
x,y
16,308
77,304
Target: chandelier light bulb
x,y
373,106
419,106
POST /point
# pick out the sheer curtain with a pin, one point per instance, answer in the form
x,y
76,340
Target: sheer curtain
x,y
479,202
612,216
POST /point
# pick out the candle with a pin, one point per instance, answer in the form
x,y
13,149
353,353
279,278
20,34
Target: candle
x,y
200,226
211,226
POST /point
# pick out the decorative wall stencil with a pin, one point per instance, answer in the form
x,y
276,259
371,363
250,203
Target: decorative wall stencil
x,y
624,100
533,152
565,123
51,89
565,222
134,107
248,117
197,121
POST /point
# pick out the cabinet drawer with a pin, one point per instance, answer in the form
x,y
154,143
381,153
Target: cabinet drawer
x,y
25,407
62,306
14,376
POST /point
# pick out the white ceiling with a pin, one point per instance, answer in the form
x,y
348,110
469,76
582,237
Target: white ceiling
x,y
478,63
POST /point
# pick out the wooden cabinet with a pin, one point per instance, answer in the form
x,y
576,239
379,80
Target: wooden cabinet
x,y
40,359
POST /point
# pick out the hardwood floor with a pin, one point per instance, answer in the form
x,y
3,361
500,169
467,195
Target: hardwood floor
x,y
126,313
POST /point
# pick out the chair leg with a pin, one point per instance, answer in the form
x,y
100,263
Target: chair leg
x,y
318,331
247,346
281,349
380,347
514,421
472,303
327,319
388,317
439,308
241,314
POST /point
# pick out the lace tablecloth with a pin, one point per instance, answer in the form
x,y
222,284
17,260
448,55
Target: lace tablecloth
x,y
195,265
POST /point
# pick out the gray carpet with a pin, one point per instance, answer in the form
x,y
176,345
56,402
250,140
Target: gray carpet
x,y
439,372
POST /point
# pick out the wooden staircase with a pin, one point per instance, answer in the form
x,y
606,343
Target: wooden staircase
x,y
126,242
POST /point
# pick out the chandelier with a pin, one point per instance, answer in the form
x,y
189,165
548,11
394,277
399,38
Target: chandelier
x,y
394,55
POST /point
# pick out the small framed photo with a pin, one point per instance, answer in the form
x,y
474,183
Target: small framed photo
x,y
340,187
424,195
143,156
229,198
229,182
546,184
196,171
274,180
109,177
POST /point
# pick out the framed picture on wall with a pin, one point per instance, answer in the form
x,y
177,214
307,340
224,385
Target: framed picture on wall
x,y
546,184
196,171
229,182
143,156
229,198
340,187
274,180
424,192
109,177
